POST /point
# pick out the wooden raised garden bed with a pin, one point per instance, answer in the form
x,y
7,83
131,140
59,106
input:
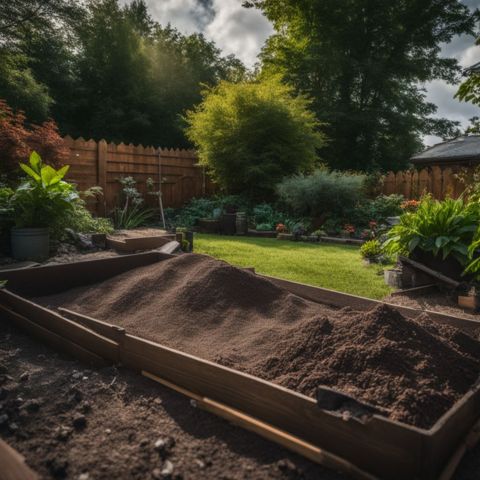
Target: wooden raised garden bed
x,y
374,448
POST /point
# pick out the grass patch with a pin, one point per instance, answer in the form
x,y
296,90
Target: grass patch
x,y
338,267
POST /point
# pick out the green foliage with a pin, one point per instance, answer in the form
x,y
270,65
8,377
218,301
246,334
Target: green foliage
x,y
323,192
378,209
264,213
252,134
131,214
364,64
209,208
79,219
133,217
43,197
469,91
263,227
371,249
440,227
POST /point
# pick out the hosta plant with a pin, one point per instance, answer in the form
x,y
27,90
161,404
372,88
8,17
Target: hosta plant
x,y
43,196
442,228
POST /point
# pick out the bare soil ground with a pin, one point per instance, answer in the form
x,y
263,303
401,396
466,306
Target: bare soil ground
x,y
414,370
73,422
437,301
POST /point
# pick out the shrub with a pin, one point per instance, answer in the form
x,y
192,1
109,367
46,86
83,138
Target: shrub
x,y
378,209
440,227
266,214
263,227
17,141
371,249
323,192
79,219
252,134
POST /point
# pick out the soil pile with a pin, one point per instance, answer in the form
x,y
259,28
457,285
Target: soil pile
x,y
415,370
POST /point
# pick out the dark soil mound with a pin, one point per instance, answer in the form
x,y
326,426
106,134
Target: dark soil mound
x,y
414,369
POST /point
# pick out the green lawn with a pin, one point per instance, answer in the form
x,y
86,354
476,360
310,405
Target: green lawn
x,y
338,267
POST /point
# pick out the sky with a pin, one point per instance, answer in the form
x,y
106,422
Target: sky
x,y
243,32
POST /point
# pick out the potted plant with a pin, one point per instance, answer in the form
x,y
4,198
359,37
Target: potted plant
x,y
41,199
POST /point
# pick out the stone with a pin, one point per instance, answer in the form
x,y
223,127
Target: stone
x,y
79,422
24,376
167,469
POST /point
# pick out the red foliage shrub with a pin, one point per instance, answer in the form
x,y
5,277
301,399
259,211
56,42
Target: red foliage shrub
x,y
18,139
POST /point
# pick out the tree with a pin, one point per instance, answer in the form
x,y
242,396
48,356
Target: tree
x,y
252,134
18,140
469,90
363,63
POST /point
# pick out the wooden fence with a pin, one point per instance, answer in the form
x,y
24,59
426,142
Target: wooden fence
x,y
100,163
438,181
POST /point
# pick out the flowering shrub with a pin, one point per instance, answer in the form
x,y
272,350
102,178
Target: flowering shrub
x,y
280,228
349,229
410,205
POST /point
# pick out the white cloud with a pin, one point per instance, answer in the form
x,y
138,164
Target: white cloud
x,y
238,30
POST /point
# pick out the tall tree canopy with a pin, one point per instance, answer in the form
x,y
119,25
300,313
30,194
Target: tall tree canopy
x,y
101,69
363,63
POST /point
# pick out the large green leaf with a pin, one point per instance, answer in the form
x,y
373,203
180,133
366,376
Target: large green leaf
x,y
35,161
49,176
30,172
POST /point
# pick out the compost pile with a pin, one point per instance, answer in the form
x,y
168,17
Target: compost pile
x,y
414,370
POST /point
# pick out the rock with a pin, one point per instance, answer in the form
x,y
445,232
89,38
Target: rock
x,y
63,433
58,467
3,419
24,376
286,465
108,431
157,401
84,476
32,406
76,375
144,442
200,463
13,427
79,422
167,469
157,474
163,445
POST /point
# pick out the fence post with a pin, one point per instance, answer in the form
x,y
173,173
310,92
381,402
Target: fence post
x,y
102,174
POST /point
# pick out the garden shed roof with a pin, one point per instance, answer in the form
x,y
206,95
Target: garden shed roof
x,y
464,150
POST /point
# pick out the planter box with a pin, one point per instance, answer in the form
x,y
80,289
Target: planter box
x,y
470,302
377,448
207,225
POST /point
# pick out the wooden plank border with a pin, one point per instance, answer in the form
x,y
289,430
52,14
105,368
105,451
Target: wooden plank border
x,y
13,464
381,447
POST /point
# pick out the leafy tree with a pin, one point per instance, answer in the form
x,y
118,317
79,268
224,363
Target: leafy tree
x,y
18,140
469,90
252,134
363,63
